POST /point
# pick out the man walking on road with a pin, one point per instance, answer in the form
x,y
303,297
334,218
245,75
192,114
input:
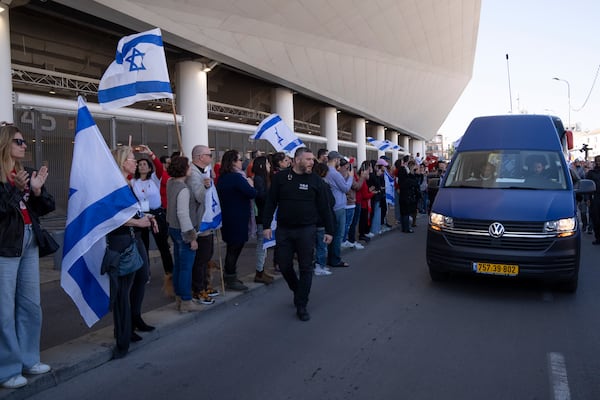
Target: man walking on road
x,y
300,199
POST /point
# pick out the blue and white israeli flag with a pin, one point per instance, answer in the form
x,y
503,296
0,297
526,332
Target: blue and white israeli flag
x,y
212,218
139,72
271,242
99,201
278,134
383,145
389,187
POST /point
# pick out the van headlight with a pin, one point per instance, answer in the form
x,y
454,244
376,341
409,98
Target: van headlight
x,y
562,227
439,221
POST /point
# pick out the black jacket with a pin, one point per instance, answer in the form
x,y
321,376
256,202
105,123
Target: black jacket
x,y
11,220
300,201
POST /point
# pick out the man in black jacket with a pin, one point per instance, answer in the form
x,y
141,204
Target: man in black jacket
x,y
300,199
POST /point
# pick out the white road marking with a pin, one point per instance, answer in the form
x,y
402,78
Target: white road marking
x,y
558,377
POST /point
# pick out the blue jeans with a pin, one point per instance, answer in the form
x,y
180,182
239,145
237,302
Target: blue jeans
x,y
349,219
183,257
376,220
352,228
20,311
335,248
261,253
320,248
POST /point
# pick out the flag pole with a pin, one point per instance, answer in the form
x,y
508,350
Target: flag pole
x,y
178,132
218,233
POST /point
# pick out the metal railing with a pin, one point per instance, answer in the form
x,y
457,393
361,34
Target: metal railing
x,y
80,85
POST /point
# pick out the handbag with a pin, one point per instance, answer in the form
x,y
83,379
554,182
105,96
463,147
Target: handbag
x,y
130,259
46,243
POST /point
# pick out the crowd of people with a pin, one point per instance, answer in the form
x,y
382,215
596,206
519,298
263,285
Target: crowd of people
x,y
321,203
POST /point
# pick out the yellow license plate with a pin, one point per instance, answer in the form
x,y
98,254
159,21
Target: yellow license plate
x,y
496,269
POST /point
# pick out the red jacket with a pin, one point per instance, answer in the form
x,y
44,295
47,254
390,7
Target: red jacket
x,y
363,195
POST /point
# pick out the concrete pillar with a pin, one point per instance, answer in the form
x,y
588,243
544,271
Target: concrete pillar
x,y
394,139
6,89
416,146
360,135
380,135
192,104
282,103
329,127
405,143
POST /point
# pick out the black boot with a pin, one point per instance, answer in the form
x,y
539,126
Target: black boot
x,y
139,324
302,314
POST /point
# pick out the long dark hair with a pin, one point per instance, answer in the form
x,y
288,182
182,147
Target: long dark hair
x,y
137,168
259,168
228,162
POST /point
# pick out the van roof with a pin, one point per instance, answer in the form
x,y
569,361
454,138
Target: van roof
x,y
541,132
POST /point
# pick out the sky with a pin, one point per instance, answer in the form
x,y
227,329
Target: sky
x,y
543,39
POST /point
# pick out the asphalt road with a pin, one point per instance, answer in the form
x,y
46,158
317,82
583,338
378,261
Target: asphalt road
x,y
379,330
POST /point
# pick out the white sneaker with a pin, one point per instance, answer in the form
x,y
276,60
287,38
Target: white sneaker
x,y
346,244
319,271
358,246
15,382
370,235
326,268
37,369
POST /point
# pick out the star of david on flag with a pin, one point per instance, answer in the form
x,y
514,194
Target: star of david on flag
x,y
278,134
138,73
99,201
383,145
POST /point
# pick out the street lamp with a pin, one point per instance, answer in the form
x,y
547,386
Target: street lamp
x,y
568,94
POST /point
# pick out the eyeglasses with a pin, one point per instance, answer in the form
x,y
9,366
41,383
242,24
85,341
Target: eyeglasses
x,y
19,142
207,154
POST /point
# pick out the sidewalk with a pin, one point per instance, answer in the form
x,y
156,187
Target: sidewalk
x,y
76,356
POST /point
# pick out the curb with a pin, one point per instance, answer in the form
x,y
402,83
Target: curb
x,y
87,352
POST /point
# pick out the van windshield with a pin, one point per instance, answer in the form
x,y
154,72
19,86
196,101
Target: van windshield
x,y
515,169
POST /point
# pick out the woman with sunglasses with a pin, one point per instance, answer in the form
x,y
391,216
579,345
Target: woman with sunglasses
x,y
23,199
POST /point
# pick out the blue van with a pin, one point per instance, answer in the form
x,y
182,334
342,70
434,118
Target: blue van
x,y
506,205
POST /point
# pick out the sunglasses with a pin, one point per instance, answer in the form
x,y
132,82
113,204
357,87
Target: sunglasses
x,y
19,142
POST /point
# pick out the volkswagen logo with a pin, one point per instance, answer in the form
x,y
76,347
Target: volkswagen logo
x,y
496,230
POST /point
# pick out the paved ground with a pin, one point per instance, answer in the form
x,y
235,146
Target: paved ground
x,y
71,348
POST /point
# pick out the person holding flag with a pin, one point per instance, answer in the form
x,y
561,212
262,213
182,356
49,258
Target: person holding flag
x,y
23,199
101,204
128,290
201,181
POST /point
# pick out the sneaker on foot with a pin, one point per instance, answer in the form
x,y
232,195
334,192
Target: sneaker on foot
x,y
370,235
15,382
320,271
358,246
203,298
37,369
212,292
346,244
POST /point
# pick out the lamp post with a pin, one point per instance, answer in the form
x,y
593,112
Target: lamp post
x,y
568,94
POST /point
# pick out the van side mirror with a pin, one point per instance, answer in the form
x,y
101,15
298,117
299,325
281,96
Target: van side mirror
x,y
584,186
